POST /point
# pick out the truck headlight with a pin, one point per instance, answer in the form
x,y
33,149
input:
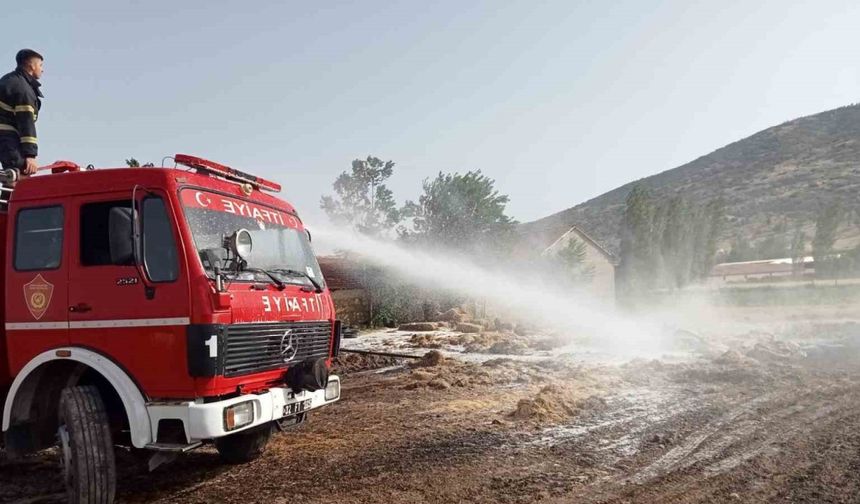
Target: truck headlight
x,y
332,390
238,415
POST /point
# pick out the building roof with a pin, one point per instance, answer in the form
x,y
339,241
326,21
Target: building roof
x,y
586,238
341,273
762,267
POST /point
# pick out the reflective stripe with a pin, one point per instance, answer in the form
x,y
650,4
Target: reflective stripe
x,y
130,323
6,127
88,324
17,108
30,326
31,140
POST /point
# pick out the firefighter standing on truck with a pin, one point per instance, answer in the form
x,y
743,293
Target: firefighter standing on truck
x,y
19,108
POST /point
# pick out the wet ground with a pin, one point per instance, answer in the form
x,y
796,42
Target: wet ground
x,y
759,417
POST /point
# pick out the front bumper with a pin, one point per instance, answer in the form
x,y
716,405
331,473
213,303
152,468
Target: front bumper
x,y
206,420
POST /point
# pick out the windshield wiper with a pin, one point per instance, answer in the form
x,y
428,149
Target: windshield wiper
x,y
275,280
317,287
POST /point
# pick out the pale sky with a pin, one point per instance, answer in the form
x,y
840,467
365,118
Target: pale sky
x,y
559,101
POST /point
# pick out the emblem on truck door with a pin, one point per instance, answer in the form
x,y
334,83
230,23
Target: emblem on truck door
x,y
288,348
37,295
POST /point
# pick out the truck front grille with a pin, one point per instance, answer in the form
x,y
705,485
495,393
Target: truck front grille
x,y
252,348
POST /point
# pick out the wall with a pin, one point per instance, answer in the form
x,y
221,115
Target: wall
x,y
603,282
352,306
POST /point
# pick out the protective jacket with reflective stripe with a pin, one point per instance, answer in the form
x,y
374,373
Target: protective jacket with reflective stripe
x,y
19,109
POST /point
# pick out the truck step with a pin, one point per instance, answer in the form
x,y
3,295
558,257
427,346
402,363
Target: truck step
x,y
173,447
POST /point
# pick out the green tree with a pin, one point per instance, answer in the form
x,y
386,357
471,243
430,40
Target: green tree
x,y
134,163
774,246
572,262
740,250
675,240
637,261
362,201
798,249
852,262
826,226
463,212
669,244
698,235
714,221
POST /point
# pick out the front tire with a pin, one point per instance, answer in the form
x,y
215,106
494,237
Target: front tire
x,y
86,446
244,446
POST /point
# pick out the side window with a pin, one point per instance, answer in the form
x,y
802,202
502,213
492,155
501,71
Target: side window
x,y
95,232
39,238
159,248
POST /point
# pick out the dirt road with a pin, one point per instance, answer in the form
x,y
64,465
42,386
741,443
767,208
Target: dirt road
x,y
776,419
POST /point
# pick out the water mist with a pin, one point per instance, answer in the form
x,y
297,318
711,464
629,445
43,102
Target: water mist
x,y
515,294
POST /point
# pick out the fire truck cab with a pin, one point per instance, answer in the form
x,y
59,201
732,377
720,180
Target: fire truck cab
x,y
158,309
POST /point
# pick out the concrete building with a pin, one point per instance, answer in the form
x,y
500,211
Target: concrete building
x,y
762,271
603,263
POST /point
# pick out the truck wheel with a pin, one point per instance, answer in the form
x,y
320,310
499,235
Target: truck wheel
x,y
244,446
86,445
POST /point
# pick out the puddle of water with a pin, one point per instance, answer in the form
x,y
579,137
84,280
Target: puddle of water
x,y
637,408
389,340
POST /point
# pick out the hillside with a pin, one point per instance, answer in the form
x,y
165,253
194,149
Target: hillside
x,y
782,174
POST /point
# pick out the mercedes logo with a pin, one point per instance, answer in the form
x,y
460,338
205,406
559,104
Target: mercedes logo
x,y
288,348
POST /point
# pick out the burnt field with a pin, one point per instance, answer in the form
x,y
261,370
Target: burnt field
x,y
762,417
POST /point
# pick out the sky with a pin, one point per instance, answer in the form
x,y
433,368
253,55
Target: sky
x,y
559,101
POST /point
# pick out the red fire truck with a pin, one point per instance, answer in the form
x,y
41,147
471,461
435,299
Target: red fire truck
x,y
157,309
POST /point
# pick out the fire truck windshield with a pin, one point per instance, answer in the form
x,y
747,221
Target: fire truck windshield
x,y
279,246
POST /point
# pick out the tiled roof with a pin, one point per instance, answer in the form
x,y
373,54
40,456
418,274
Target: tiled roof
x,y
764,267
340,273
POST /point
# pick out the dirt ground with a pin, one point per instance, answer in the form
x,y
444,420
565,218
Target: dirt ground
x,y
770,418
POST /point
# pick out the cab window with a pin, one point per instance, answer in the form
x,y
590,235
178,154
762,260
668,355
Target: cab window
x,y
95,232
39,238
159,247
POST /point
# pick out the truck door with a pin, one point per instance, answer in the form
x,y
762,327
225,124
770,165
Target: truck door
x,y
37,281
139,321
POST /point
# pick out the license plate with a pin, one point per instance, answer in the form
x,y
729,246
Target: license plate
x,y
296,407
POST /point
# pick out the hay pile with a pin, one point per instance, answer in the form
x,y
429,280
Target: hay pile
x,y
425,341
419,326
431,359
552,404
346,363
434,371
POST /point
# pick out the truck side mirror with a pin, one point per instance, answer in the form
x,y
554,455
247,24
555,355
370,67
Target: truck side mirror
x,y
121,235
